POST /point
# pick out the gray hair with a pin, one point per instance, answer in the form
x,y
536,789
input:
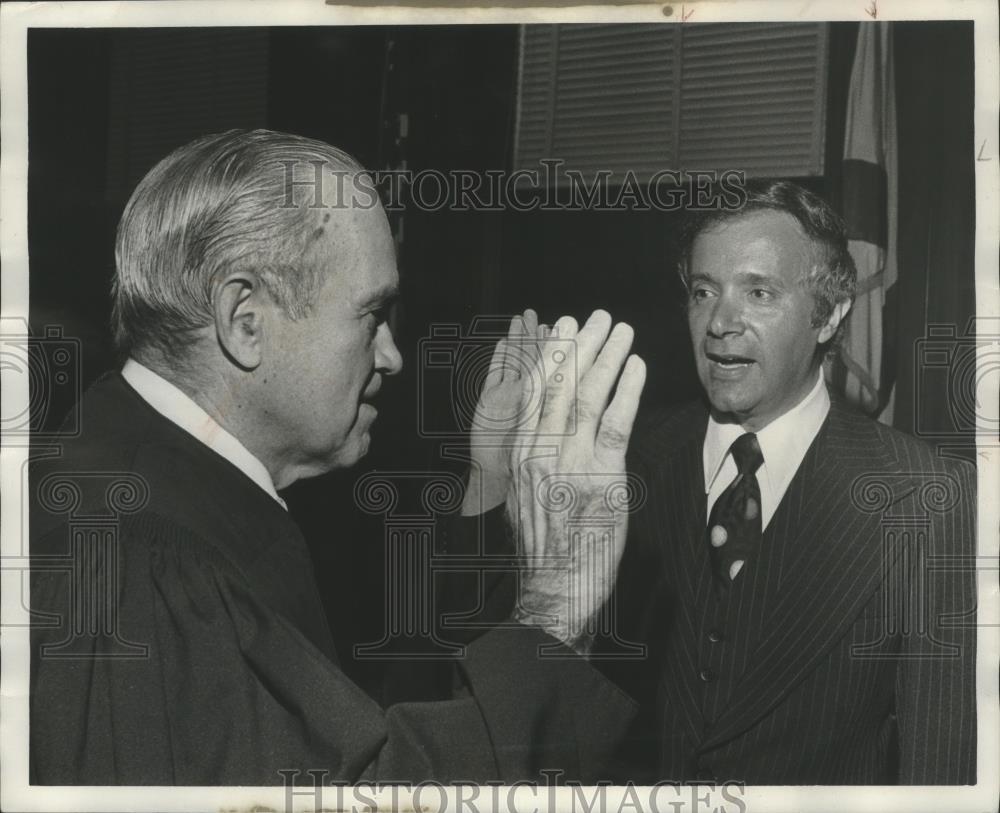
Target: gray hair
x,y
831,281
220,203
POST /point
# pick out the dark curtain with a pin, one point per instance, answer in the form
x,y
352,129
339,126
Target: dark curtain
x,y
935,70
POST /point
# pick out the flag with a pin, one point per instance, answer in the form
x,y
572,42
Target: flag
x,y
870,207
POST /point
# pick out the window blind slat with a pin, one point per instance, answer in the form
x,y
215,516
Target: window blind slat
x,y
609,97
763,94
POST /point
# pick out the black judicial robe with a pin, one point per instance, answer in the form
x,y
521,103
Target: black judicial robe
x,y
179,639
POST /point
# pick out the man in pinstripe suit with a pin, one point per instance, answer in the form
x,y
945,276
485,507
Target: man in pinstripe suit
x,y
796,569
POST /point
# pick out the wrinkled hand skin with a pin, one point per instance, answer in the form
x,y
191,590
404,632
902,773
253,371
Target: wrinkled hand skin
x,y
499,415
567,501
567,580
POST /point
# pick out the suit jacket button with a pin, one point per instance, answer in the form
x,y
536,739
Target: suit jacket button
x,y
706,675
715,636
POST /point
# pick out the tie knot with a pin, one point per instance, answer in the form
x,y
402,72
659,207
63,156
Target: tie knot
x,y
746,453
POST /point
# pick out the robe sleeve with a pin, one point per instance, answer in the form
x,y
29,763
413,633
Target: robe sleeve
x,y
197,682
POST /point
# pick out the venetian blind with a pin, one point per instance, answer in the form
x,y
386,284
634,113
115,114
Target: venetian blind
x,y
173,85
646,97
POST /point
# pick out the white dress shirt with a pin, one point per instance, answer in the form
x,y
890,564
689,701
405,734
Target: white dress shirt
x,y
178,408
783,444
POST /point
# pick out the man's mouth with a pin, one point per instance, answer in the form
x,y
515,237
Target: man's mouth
x,y
372,389
729,361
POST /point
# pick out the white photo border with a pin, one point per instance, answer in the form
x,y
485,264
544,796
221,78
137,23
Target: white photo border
x,y
15,792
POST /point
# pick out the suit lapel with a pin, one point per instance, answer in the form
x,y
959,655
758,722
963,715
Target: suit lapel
x,y
829,556
675,528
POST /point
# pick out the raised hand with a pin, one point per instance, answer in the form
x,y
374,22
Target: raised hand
x,y
504,406
568,500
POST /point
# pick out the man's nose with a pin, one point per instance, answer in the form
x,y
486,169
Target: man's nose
x,y
387,357
726,317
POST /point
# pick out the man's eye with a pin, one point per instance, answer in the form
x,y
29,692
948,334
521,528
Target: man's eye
x,y
700,294
377,317
761,294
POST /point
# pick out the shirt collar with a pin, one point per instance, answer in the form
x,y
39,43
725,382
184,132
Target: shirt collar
x,y
783,442
180,409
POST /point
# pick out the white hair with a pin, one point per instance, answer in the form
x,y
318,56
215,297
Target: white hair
x,y
220,203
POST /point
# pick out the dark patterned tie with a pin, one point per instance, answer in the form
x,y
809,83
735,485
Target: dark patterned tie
x,y
734,527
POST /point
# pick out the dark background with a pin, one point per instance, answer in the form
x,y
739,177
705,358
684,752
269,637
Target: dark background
x,y
106,104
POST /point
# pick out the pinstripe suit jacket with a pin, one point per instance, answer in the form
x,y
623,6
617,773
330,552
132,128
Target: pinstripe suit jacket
x,y
845,651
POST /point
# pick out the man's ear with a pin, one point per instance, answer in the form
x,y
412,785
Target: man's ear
x,y
239,307
829,329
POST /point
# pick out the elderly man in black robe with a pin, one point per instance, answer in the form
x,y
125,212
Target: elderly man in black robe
x,y
253,324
